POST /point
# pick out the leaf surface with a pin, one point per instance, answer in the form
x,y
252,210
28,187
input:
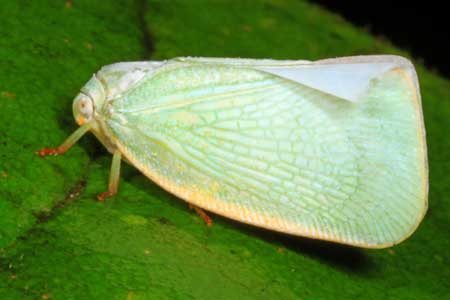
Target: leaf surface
x,y
57,242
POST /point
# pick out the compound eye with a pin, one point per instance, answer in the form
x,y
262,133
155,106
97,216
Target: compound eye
x,y
83,109
86,108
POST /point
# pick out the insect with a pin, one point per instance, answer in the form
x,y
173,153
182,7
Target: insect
x,y
333,149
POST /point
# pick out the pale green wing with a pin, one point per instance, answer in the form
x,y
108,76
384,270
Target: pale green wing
x,y
271,152
345,77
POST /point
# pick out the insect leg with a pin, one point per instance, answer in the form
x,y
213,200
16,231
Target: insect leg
x,y
72,139
202,214
114,177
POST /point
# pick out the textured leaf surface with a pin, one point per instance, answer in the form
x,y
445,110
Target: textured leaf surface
x,y
57,242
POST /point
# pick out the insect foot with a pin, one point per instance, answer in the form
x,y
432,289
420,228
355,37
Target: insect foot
x,y
48,151
102,196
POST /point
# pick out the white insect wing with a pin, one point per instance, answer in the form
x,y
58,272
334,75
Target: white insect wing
x,y
345,81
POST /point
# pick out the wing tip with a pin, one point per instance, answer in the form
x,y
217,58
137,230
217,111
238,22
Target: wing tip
x,y
403,237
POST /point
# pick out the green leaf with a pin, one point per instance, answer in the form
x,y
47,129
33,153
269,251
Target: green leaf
x,y
57,242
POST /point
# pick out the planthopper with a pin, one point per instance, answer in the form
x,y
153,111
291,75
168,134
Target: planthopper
x,y
332,149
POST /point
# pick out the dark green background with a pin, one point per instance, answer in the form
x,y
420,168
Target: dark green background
x,y
57,242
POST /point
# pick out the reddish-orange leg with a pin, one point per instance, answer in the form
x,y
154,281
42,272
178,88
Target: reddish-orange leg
x,y
72,139
114,177
202,214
